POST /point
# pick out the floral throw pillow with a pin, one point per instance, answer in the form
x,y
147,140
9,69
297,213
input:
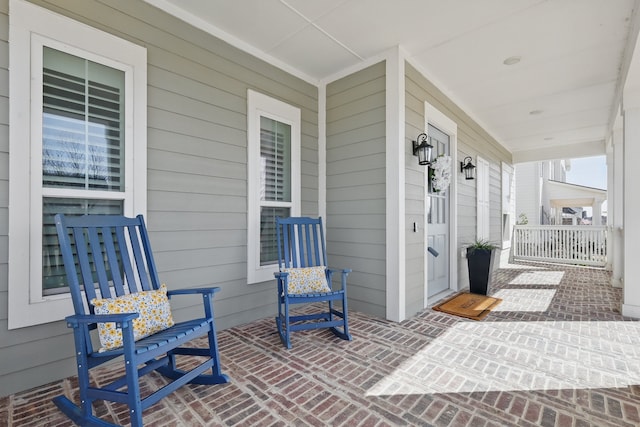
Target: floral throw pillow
x,y
154,309
307,280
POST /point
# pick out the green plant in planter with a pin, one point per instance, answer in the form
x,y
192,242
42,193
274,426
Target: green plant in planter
x,y
482,245
522,219
480,255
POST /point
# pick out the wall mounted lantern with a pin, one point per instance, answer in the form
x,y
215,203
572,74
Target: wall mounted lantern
x,y
422,149
468,168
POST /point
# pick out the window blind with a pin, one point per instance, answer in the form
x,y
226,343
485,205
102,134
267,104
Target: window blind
x,y
53,275
268,236
82,123
275,154
82,146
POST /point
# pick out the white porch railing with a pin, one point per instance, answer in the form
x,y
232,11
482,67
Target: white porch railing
x,y
582,245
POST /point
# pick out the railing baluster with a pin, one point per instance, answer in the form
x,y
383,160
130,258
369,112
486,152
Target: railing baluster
x,y
582,245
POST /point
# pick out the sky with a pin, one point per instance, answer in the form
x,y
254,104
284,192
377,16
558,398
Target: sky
x,y
589,171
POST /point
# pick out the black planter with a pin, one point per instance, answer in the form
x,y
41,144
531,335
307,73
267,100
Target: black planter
x,y
480,263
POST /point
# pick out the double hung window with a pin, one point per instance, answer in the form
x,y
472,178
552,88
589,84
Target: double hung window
x,y
77,127
82,148
274,178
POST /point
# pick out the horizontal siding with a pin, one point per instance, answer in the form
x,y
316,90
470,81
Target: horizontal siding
x,y
472,140
414,208
5,339
9,340
356,198
527,176
197,151
495,203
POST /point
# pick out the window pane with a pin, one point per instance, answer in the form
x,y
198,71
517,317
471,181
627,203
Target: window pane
x,y
268,236
53,275
440,142
275,156
82,123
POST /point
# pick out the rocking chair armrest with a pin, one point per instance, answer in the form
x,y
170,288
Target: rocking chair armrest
x,y
282,278
85,319
193,291
340,270
344,272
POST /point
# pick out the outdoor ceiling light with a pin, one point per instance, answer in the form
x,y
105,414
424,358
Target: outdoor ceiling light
x,y
422,149
468,168
512,60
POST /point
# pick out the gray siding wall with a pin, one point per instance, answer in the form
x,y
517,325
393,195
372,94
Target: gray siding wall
x,y
197,185
472,140
356,198
414,198
528,198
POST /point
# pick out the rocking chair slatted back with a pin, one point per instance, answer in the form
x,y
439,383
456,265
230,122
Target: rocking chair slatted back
x,y
301,243
114,255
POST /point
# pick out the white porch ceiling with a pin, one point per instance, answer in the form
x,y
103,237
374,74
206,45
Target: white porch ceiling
x,y
565,90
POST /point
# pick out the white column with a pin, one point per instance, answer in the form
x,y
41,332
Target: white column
x,y
322,153
396,145
610,167
616,212
596,212
629,199
631,293
557,211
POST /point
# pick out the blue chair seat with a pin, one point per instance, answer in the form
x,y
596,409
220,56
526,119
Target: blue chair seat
x,y
177,334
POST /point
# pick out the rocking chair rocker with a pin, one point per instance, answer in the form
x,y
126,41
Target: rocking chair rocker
x,y
304,278
113,256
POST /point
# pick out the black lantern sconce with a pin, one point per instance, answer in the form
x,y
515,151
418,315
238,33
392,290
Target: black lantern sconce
x,y
422,149
468,168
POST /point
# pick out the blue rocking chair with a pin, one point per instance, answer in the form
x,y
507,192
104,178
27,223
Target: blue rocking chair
x,y
304,278
112,255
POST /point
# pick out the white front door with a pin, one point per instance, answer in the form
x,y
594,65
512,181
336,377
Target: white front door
x,y
437,214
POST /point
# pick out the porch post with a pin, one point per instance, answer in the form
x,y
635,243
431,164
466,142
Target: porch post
x,y
616,213
596,212
558,211
396,145
631,147
610,167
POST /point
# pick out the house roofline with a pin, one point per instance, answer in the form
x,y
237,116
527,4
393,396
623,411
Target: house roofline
x,y
579,186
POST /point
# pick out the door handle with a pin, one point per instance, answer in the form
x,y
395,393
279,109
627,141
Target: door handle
x,y
433,251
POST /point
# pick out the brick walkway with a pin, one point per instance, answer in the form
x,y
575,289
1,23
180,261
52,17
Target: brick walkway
x,y
556,352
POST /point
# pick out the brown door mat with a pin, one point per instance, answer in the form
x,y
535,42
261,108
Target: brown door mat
x,y
471,306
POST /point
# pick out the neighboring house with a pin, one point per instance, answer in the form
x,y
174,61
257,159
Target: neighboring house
x,y
176,120
544,197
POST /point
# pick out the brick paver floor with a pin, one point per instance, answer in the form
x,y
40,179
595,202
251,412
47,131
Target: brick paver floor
x,y
556,352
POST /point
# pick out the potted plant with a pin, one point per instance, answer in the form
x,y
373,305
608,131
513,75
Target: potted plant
x,y
480,255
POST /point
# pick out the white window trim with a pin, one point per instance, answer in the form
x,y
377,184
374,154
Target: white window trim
x,y
32,26
259,105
